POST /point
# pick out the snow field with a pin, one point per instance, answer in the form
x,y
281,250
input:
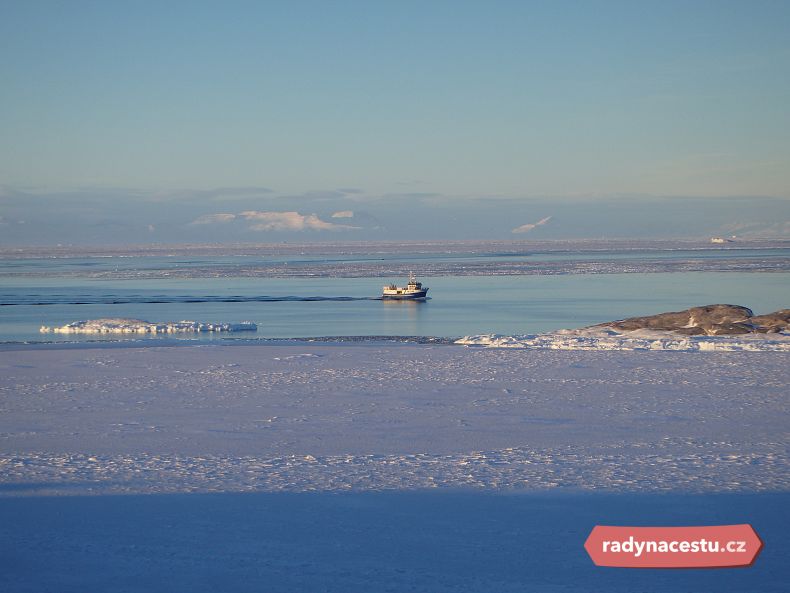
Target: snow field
x,y
336,417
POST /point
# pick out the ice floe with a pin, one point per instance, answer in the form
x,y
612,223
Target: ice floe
x,y
138,326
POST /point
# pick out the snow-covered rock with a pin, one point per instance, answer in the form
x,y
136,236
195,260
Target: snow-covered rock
x,y
722,328
711,320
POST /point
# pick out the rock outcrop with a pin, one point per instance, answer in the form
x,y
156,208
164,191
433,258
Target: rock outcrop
x,y
773,322
710,320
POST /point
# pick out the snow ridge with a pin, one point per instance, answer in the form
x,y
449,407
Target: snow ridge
x,y
608,339
669,465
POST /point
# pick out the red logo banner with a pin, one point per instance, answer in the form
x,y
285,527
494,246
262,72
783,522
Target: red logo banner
x,y
674,547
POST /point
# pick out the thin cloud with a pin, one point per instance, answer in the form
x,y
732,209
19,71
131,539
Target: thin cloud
x,y
213,218
525,228
413,195
343,214
291,221
218,193
322,195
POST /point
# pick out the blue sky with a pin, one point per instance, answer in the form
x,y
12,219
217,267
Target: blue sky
x,y
151,115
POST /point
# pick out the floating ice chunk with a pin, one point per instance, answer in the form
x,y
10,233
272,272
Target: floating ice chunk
x,y
608,339
138,326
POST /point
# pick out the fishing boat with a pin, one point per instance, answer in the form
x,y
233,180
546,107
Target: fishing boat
x,y
413,290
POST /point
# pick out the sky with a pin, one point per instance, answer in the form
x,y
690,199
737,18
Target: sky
x,y
268,121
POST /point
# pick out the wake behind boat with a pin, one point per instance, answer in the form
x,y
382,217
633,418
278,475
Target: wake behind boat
x,y
413,290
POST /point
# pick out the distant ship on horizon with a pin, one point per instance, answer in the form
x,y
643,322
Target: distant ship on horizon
x,y
413,290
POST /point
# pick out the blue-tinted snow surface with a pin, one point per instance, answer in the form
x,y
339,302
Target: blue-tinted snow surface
x,y
431,542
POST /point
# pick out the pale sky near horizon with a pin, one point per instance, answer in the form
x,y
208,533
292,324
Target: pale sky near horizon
x,y
287,104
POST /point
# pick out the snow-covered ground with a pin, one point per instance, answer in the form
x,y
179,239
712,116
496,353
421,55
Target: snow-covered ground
x,y
332,417
598,338
350,468
138,326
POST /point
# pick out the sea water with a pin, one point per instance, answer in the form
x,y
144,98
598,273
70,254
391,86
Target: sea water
x,y
313,301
